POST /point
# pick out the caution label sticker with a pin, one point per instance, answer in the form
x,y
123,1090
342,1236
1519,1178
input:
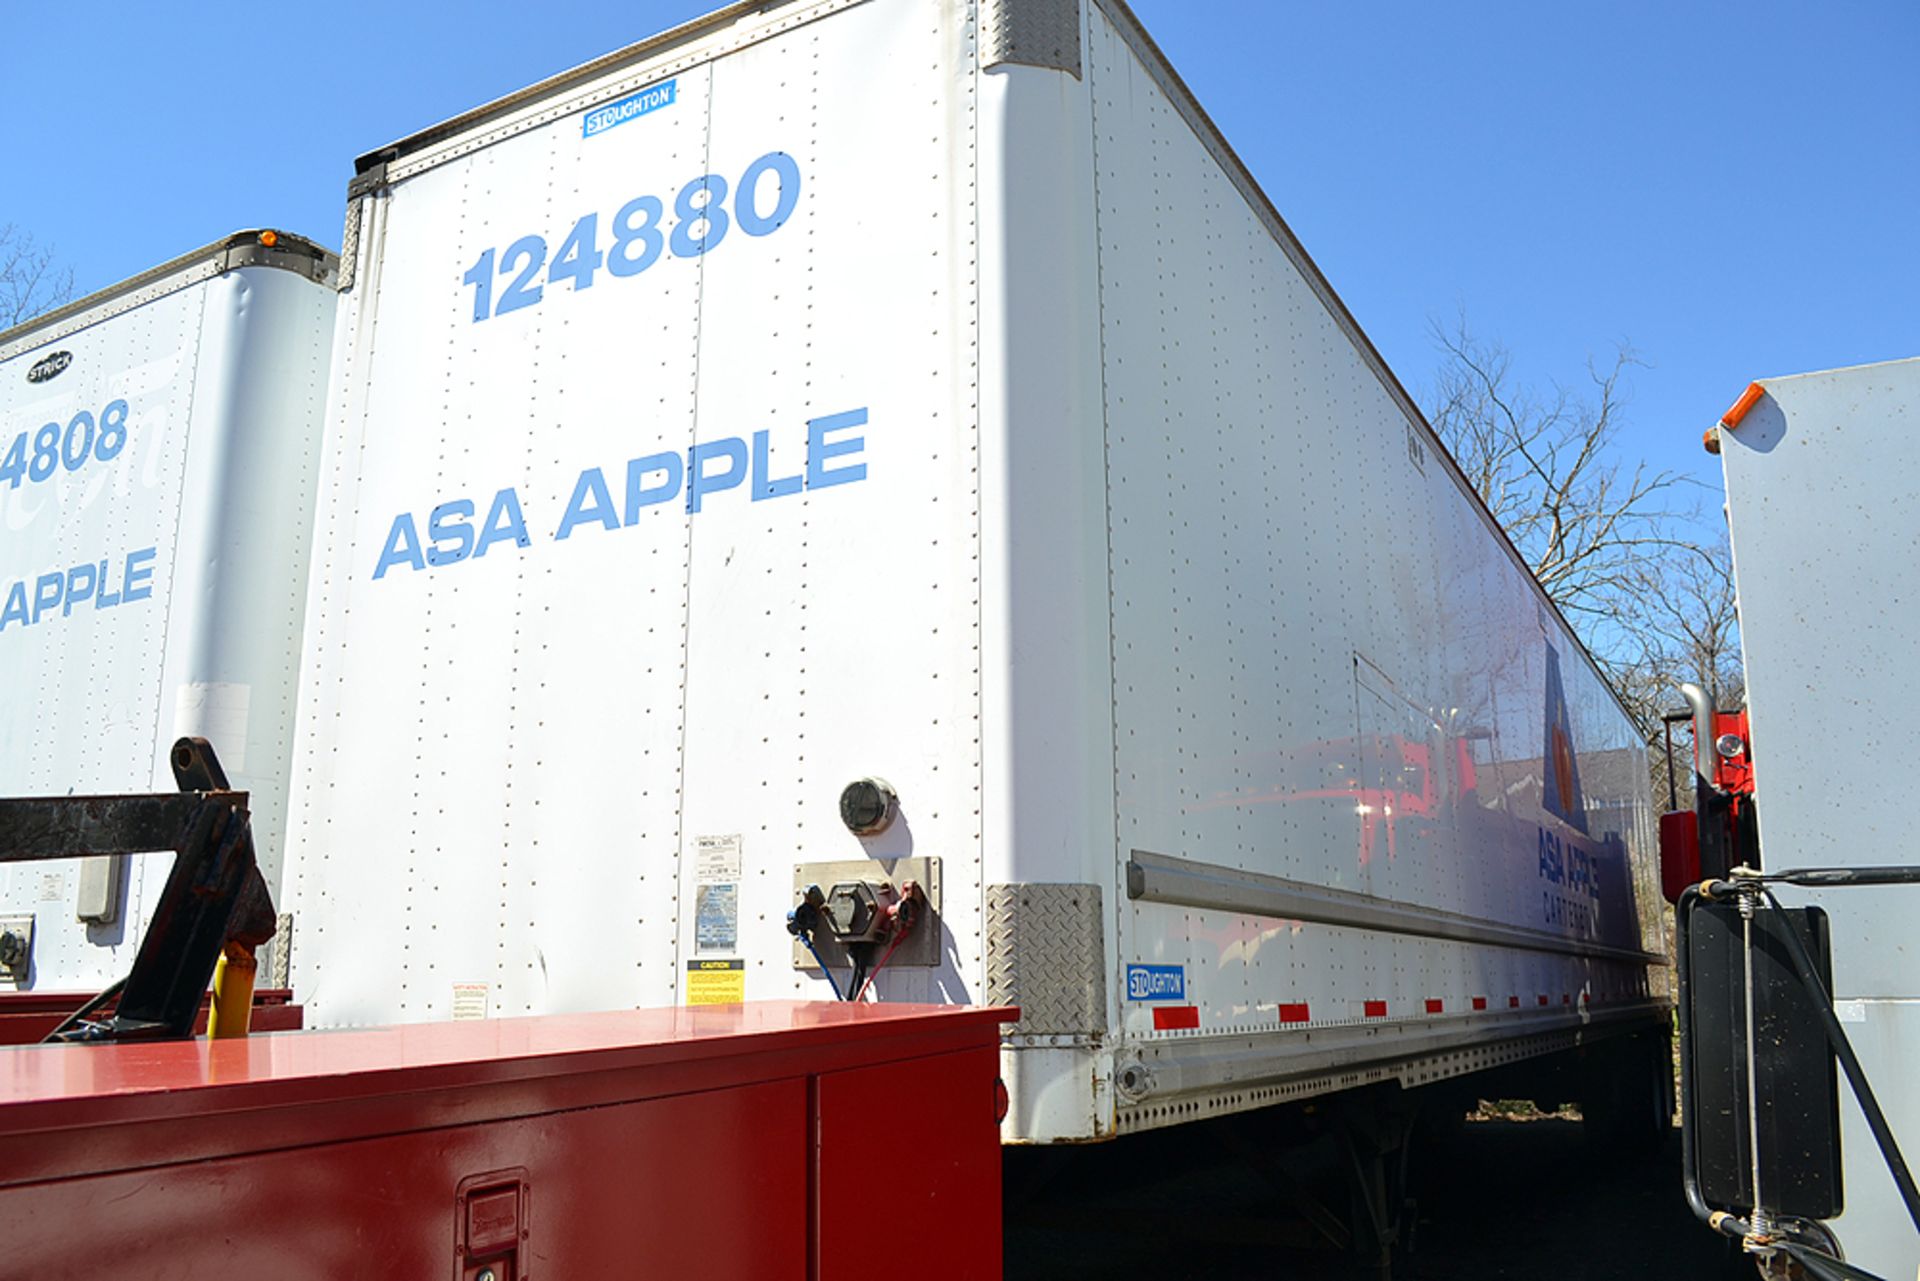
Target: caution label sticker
x,y
715,982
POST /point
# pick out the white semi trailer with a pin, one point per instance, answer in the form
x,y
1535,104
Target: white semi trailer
x,y
157,450
842,443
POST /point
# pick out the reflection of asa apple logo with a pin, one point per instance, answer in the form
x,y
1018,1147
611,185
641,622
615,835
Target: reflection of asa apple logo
x,y
1562,761
1560,770
50,367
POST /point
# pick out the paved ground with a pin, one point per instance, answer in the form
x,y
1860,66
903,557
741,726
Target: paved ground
x,y
1521,1200
1501,1199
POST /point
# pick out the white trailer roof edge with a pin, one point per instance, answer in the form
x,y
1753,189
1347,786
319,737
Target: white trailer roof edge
x,y
572,89
640,55
247,248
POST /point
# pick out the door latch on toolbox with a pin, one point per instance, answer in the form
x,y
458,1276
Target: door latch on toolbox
x,y
491,1226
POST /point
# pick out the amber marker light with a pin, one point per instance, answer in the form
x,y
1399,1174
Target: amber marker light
x,y
1748,399
269,238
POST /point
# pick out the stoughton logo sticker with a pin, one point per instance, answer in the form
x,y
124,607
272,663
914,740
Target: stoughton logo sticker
x,y
50,368
1156,982
631,107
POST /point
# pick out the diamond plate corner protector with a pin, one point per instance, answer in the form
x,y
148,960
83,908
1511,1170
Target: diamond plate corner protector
x,y
1031,33
1045,955
280,966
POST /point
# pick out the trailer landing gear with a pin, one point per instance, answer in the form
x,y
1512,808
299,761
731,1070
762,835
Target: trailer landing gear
x,y
1371,1137
1374,1131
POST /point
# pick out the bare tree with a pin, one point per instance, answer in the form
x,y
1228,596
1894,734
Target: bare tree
x,y
1687,614
1606,536
1684,626
30,283
1548,466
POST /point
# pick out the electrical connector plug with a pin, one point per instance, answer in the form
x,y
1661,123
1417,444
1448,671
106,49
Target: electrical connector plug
x,y
902,914
804,920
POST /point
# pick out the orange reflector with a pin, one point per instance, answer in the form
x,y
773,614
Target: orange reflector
x,y
269,238
1732,417
1711,439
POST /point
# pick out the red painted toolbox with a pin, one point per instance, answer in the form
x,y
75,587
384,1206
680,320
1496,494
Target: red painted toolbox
x,y
762,1141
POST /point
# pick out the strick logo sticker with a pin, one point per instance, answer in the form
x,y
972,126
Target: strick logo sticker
x,y
50,367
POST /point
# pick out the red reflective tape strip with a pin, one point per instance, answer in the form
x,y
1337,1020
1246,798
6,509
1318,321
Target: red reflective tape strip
x,y
1543,998
1565,999
1479,1002
1168,1017
1748,399
1434,1007
1294,1013
1513,1002
1376,1009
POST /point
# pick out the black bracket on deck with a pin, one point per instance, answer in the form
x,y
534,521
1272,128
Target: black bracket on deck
x,y
214,893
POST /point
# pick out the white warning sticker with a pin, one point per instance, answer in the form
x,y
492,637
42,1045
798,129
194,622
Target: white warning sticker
x,y
716,859
469,1000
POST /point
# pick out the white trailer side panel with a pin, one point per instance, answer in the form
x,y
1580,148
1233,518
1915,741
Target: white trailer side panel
x,y
1825,518
1374,814
153,561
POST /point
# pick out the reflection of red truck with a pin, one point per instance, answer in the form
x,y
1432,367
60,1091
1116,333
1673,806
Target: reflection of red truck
x,y
1388,780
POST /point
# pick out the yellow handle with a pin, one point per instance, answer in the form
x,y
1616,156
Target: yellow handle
x,y
233,976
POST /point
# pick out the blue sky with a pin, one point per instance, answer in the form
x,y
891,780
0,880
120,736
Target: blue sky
x,y
1733,188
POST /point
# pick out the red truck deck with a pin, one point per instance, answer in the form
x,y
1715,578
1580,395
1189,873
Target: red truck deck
x,y
771,1140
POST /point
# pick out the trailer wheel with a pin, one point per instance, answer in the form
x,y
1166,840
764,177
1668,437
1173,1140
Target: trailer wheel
x,y
1626,1096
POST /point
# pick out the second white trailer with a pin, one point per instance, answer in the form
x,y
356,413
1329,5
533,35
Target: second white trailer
x,y
893,389
157,450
